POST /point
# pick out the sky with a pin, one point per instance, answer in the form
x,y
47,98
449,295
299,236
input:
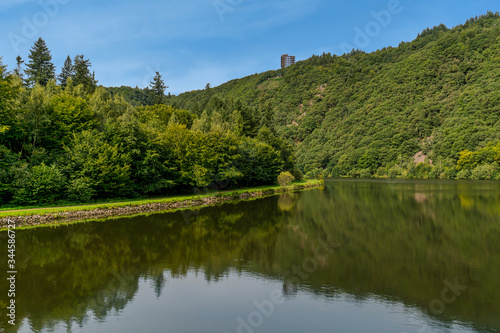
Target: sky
x,y
195,42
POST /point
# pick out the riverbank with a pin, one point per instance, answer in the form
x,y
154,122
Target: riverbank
x,y
61,215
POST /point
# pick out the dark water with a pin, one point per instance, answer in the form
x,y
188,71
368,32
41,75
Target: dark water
x,y
356,256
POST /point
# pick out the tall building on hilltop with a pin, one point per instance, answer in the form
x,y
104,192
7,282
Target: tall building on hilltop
x,y
287,60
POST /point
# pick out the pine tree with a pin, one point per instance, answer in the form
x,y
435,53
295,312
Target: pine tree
x,y
18,71
40,67
157,89
66,72
81,74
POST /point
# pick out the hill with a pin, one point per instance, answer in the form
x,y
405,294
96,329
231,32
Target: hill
x,y
435,99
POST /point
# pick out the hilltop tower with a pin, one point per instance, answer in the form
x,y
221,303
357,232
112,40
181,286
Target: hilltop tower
x,y
287,60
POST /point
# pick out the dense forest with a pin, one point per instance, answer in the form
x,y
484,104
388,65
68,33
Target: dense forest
x,y
429,108
69,140
434,100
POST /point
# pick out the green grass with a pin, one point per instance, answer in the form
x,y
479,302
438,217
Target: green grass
x,y
131,203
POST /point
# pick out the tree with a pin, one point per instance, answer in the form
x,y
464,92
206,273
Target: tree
x,y
66,72
81,74
9,93
42,184
259,162
19,63
104,167
36,119
157,89
68,114
40,67
285,179
7,160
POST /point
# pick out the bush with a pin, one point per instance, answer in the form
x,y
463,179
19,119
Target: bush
x,y
40,185
485,172
336,172
395,172
297,174
422,170
79,190
285,179
449,173
365,173
464,174
7,160
106,166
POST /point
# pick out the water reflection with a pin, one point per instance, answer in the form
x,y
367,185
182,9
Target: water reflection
x,y
365,254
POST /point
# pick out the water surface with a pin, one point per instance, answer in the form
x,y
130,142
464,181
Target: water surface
x,y
356,256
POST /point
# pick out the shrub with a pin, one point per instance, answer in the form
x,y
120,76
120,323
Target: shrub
x,y
297,174
79,190
422,170
485,172
285,179
106,166
449,173
42,184
365,173
395,172
464,174
7,160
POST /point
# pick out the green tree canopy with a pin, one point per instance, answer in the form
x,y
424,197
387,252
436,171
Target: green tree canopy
x,y
157,89
66,72
40,68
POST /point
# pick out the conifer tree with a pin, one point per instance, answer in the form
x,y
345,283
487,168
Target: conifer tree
x,y
19,63
157,89
81,73
40,68
66,72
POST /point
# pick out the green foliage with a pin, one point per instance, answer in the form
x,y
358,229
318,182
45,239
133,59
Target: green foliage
x,y
464,174
161,114
80,190
69,115
7,161
67,72
486,172
365,173
259,162
41,184
285,179
487,155
358,114
112,142
9,94
439,94
81,73
105,167
133,96
40,67
157,89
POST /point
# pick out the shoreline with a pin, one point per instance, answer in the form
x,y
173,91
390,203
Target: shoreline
x,y
64,215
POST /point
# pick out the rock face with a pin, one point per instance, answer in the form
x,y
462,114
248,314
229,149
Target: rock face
x,y
101,213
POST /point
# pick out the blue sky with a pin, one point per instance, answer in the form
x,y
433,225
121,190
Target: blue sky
x,y
195,42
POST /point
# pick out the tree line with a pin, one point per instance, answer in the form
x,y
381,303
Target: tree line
x,y
66,139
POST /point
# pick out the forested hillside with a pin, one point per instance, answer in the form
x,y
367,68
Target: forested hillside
x,y
429,108
433,100
73,141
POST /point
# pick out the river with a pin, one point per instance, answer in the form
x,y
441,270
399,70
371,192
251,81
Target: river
x,y
355,256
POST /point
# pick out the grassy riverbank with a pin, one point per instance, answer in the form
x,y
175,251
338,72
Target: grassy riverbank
x,y
38,216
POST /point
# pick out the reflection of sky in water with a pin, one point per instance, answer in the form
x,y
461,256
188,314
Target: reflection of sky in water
x,y
191,304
